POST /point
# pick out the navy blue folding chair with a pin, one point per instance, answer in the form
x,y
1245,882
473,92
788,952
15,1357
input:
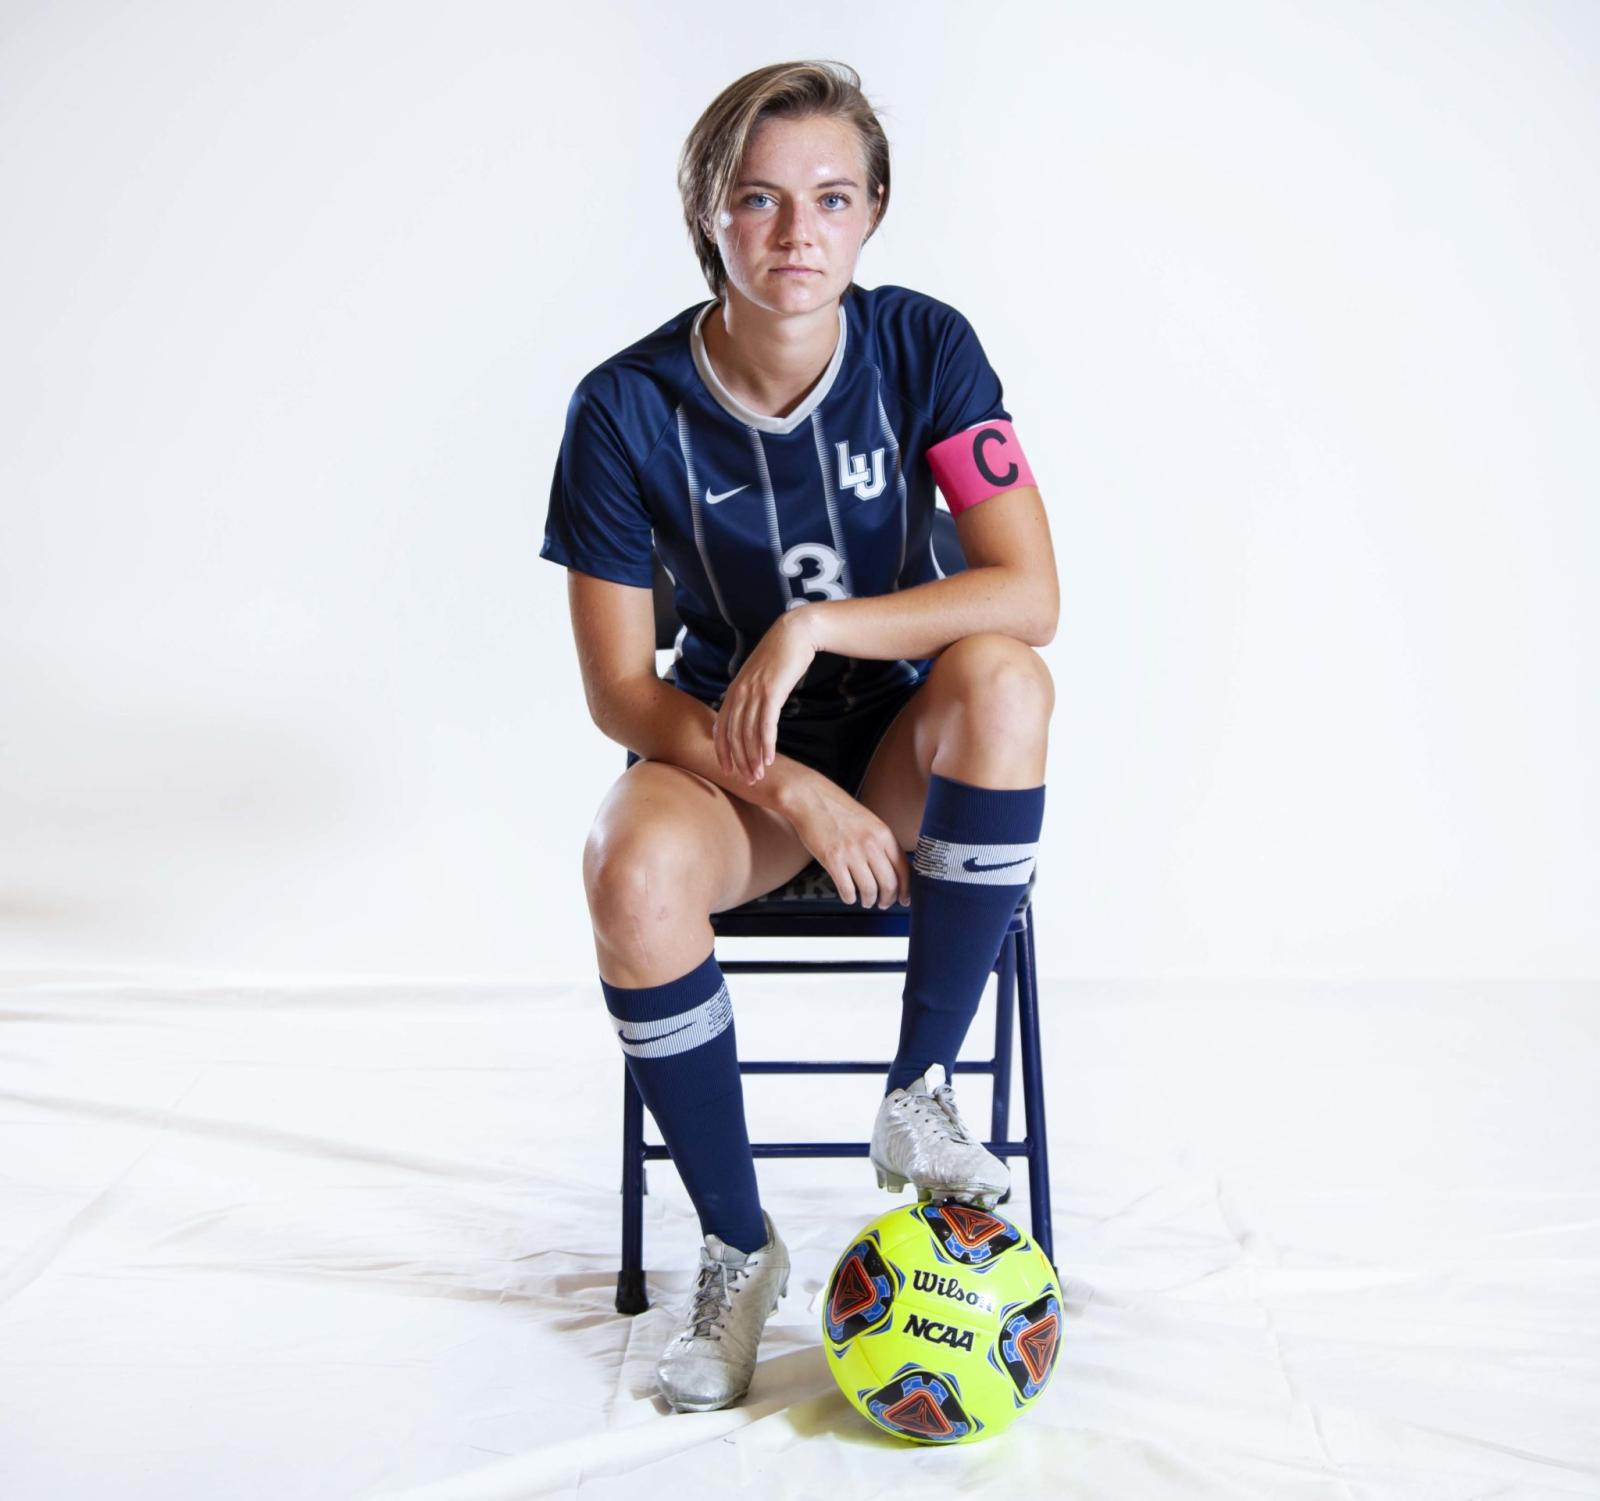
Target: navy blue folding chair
x,y
809,906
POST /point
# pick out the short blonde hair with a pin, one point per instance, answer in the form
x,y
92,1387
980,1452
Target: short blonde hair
x,y
711,155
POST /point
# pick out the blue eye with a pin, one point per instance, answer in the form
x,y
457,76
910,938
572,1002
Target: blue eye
x,y
843,199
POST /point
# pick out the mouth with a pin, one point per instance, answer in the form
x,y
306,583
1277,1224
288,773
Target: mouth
x,y
796,270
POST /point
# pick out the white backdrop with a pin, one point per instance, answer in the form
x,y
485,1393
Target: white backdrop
x,y
308,1099
1295,306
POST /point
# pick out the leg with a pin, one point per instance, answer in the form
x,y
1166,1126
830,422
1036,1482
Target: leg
x,y
982,717
667,849
959,776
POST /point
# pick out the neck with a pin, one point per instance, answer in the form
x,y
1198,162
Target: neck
x,y
769,360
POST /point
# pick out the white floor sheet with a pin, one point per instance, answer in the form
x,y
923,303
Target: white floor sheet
x,y
1320,1242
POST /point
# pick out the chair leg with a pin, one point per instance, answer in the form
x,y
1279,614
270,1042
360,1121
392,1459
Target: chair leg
x,y
1005,991
1033,1089
631,1294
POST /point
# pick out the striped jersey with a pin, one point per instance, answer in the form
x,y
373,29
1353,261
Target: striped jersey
x,y
754,515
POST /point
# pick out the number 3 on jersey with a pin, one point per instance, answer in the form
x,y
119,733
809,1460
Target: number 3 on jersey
x,y
825,580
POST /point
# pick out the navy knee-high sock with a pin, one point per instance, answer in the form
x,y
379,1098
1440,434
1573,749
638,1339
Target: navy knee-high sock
x,y
973,859
678,1041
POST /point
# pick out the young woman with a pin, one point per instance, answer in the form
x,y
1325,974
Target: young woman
x,y
835,696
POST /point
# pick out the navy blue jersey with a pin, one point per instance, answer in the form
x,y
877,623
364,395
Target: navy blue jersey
x,y
755,515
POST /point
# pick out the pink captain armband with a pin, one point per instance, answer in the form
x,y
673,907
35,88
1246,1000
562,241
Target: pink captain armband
x,y
978,462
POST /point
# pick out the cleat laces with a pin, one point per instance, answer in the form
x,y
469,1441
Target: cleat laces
x,y
945,1097
944,1114
712,1300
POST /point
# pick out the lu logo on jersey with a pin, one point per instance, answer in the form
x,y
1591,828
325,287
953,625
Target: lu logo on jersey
x,y
853,471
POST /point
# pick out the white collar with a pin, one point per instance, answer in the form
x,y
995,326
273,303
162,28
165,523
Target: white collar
x,y
736,408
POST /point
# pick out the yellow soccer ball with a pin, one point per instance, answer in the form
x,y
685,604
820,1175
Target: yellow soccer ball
x,y
942,1322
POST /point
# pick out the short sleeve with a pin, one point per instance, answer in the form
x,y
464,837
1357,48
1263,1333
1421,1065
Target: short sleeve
x,y
966,389
597,522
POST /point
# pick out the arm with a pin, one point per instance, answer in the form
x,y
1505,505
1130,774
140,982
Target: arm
x,y
614,627
1009,586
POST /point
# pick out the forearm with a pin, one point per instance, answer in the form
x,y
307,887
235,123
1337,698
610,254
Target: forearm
x,y
663,723
923,620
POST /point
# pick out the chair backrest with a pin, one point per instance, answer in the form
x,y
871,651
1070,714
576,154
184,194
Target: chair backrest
x,y
946,549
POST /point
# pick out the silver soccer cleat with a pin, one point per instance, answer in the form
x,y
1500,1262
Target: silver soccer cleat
x,y
710,1361
919,1137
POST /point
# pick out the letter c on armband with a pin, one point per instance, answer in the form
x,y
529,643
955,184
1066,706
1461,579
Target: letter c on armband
x,y
978,462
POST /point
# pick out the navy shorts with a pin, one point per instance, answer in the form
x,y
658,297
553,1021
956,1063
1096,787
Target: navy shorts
x,y
839,746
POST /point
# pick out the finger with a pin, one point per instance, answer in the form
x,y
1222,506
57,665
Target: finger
x,y
730,736
867,883
736,739
719,741
902,871
765,732
769,735
843,884
883,869
749,720
755,733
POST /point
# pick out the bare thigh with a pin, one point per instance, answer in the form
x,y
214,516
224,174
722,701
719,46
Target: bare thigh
x,y
667,849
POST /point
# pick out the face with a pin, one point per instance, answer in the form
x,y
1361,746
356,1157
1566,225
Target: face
x,y
800,198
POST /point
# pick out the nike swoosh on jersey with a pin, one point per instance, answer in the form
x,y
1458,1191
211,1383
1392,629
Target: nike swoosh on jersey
x,y
971,863
712,500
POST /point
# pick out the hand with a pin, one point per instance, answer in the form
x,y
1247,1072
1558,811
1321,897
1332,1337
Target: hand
x,y
856,847
744,732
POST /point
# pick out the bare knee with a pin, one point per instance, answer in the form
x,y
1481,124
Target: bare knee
x,y
999,678
640,881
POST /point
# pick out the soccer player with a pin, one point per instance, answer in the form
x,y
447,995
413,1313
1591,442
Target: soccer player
x,y
833,695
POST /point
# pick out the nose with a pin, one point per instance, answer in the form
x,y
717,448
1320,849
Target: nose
x,y
794,224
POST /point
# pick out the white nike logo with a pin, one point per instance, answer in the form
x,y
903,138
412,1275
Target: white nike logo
x,y
711,499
